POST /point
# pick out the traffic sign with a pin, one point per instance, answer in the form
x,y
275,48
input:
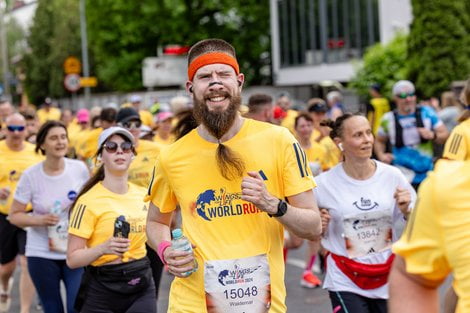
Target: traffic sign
x,y
72,82
88,81
72,65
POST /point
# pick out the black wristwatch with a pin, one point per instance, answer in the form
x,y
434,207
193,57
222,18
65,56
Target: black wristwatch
x,y
281,209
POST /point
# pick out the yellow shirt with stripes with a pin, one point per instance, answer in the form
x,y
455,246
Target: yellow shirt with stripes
x,y
457,146
214,217
95,213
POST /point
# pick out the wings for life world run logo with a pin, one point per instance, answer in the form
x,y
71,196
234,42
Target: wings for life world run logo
x,y
237,275
212,204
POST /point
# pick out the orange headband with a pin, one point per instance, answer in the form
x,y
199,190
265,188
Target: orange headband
x,y
212,58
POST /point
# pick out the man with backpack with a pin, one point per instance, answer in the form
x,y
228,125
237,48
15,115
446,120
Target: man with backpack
x,y
411,130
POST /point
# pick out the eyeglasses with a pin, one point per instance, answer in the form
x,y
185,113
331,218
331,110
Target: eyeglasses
x,y
14,128
112,147
404,95
132,124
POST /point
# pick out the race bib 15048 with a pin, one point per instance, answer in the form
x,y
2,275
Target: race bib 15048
x,y
238,285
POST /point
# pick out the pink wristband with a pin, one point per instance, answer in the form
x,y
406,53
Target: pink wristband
x,y
161,248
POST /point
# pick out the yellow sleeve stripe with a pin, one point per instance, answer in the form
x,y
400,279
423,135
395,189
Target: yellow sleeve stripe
x,y
77,218
455,144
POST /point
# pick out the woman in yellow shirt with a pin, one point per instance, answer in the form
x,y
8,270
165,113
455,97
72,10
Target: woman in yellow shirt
x,y
107,234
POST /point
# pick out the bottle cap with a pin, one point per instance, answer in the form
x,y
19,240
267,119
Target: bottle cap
x,y
177,233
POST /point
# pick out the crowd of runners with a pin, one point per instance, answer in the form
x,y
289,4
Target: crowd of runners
x,y
88,199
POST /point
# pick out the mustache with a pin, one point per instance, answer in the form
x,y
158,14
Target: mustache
x,y
216,94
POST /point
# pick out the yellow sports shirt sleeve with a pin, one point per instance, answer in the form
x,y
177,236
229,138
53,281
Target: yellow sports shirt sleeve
x,y
159,191
82,220
421,245
457,145
297,176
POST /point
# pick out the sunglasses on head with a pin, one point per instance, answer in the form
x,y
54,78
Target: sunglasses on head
x,y
132,124
404,95
111,146
14,128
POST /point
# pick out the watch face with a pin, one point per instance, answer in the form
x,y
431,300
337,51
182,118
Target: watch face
x,y
281,208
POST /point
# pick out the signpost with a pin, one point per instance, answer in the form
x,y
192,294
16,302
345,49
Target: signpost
x,y
72,82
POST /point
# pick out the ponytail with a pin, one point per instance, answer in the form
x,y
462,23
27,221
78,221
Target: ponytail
x,y
231,166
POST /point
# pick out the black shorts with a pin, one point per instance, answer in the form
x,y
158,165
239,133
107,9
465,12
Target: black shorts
x,y
344,302
12,240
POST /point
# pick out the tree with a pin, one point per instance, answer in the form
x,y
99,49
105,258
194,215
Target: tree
x,y
122,33
382,64
439,44
54,35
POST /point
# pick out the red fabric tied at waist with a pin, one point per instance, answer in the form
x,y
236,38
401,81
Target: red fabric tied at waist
x,y
365,276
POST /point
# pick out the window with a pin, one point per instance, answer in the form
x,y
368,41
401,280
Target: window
x,y
326,31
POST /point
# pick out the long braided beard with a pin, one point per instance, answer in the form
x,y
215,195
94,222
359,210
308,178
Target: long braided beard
x,y
230,164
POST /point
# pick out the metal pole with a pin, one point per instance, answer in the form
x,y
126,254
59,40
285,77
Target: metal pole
x,y
83,31
3,43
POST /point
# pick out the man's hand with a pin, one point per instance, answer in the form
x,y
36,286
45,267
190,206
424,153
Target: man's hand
x,y
403,198
426,133
254,191
179,262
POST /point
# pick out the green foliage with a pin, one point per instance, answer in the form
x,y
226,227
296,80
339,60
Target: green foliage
x,y
382,64
439,44
54,35
122,33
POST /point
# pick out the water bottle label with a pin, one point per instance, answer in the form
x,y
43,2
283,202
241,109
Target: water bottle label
x,y
238,285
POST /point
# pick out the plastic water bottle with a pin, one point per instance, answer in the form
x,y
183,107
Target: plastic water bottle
x,y
56,208
181,243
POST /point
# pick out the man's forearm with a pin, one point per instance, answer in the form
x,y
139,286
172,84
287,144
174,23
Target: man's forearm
x,y
304,223
156,233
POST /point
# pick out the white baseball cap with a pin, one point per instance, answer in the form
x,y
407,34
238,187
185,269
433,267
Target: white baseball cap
x,y
403,86
115,130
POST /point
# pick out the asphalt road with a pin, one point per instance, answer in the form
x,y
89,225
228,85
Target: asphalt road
x,y
299,299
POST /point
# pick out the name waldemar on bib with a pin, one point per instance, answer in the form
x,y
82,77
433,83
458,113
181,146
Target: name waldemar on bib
x,y
238,285
367,232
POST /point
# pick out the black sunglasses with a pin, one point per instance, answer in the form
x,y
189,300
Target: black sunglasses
x,y
404,95
14,128
111,146
132,124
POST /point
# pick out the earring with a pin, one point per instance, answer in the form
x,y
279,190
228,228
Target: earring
x,y
132,157
191,89
98,158
340,146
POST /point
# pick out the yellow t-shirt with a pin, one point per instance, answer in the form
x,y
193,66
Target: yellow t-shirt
x,y
88,146
140,171
289,120
437,236
163,142
332,154
13,164
215,219
457,146
52,115
381,106
146,117
95,212
316,154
